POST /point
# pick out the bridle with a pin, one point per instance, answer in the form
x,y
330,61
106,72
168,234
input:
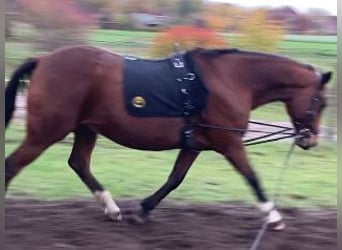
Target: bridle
x,y
307,124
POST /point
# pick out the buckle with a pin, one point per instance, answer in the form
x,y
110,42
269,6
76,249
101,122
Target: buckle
x,y
177,63
190,77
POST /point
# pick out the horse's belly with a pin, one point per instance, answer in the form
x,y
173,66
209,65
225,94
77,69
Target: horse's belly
x,y
144,135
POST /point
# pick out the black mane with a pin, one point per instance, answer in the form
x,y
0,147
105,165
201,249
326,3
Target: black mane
x,y
220,52
213,53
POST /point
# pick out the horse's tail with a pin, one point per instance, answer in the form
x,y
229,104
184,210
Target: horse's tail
x,y
12,87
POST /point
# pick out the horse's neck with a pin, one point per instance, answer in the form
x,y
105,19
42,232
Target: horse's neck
x,y
262,78
270,86
263,94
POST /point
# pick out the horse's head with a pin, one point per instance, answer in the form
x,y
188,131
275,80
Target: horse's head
x,y
305,108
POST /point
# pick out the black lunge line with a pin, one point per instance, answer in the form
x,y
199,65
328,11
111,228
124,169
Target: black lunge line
x,y
276,196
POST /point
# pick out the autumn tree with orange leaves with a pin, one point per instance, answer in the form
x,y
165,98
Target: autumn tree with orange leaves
x,y
188,37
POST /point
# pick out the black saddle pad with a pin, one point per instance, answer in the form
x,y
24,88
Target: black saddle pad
x,y
151,89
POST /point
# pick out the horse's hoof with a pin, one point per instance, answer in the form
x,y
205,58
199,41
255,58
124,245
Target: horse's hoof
x,y
275,221
113,215
139,217
276,226
137,220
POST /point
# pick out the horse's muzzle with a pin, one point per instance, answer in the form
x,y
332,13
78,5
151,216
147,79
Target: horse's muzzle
x,y
305,139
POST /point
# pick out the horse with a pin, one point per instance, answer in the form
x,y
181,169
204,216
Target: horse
x,y
80,89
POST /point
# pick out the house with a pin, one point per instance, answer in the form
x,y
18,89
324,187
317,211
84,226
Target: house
x,y
288,17
326,25
297,23
150,20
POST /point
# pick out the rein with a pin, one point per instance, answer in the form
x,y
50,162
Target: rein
x,y
284,131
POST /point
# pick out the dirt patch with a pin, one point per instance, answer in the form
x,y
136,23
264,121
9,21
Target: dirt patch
x,y
40,225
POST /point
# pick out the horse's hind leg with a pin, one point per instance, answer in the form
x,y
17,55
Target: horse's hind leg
x,y
28,151
79,161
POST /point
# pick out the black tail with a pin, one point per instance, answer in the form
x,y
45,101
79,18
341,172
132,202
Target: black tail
x,y
12,87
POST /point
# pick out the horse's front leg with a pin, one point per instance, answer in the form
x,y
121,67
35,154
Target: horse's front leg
x,y
183,163
236,155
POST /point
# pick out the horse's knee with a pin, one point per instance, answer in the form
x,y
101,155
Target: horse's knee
x,y
72,163
77,164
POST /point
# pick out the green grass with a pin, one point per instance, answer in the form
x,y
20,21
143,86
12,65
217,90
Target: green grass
x,y
310,180
119,35
123,42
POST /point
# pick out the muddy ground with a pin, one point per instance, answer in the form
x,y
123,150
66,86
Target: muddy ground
x,y
70,224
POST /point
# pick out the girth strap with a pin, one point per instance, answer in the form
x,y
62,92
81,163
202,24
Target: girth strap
x,y
185,80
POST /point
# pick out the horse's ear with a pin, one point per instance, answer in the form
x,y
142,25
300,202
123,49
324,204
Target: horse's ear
x,y
325,78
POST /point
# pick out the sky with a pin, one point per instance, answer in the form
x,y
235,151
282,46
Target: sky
x,y
301,5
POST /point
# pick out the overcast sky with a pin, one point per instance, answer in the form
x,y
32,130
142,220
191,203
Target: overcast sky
x,y
301,5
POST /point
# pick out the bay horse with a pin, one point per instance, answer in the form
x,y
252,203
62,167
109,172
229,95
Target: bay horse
x,y
80,89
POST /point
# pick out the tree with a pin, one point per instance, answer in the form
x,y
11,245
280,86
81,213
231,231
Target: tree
x,y
256,32
97,6
187,7
188,37
52,30
8,25
218,15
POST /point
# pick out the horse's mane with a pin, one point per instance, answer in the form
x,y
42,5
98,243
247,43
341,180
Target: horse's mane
x,y
213,53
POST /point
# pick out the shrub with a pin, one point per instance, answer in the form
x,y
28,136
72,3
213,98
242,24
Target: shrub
x,y
259,33
187,37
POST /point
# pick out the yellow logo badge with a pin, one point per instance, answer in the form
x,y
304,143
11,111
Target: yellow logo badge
x,y
138,102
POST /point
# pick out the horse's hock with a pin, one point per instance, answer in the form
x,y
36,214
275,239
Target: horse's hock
x,y
328,133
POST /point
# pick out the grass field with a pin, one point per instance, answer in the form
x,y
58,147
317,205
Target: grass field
x,y
311,177
310,180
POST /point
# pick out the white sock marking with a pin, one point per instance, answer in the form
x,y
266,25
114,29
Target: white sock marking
x,y
266,207
274,216
105,198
